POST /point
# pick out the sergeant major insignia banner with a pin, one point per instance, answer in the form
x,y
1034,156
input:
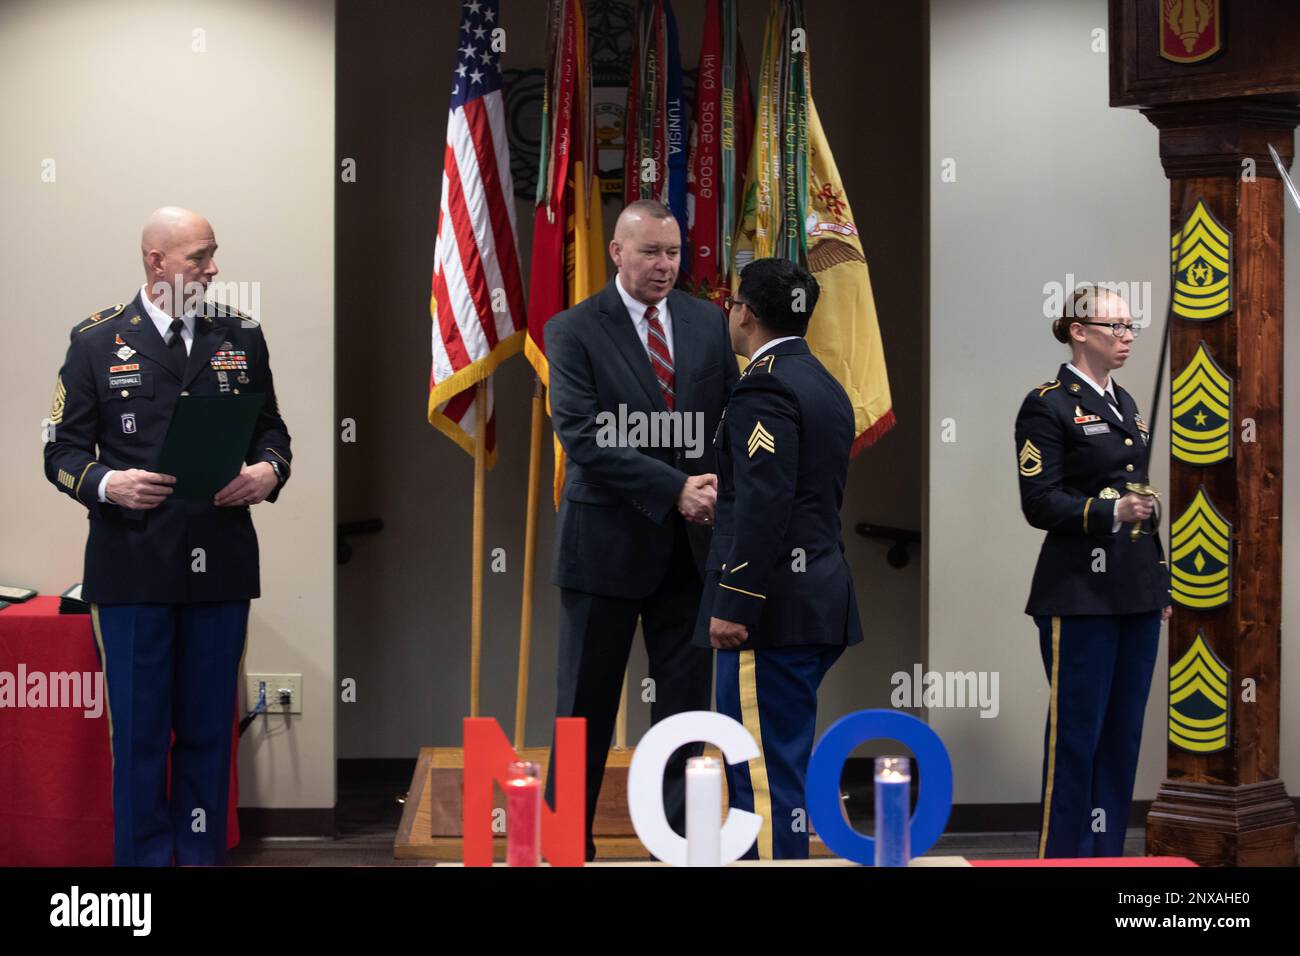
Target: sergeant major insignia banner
x,y
1201,253
1199,700
1202,411
1200,552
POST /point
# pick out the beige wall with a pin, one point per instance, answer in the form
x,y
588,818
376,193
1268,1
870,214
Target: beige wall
x,y
404,599
1050,181
244,133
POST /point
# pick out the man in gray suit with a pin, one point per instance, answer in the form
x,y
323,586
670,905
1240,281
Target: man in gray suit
x,y
639,376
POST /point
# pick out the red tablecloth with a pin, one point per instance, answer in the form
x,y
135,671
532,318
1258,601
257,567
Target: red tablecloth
x,y
1094,861
56,765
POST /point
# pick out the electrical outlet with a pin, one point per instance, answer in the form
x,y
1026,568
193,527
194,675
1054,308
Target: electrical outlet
x,y
274,684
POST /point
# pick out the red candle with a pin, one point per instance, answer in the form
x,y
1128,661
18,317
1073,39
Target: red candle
x,y
523,814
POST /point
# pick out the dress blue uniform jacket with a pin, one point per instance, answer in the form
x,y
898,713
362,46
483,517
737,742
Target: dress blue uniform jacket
x,y
614,535
777,562
1075,459
113,402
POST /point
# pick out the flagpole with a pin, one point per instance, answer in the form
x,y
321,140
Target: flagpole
x,y
530,562
476,575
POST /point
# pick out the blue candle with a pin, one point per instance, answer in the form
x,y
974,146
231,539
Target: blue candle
x,y
893,811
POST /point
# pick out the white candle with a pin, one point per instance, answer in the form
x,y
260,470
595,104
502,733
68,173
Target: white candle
x,y
703,811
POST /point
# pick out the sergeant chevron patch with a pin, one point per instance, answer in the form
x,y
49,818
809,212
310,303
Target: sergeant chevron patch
x,y
1202,411
761,438
1198,700
1031,459
1201,555
1201,253
60,396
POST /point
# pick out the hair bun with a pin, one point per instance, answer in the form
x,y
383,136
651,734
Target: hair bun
x,y
1060,331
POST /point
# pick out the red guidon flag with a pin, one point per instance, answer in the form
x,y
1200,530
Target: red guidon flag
x,y
722,130
477,303
568,263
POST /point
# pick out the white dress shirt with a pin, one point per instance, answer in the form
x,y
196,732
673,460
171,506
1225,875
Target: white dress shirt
x,y
767,345
163,323
1107,393
637,309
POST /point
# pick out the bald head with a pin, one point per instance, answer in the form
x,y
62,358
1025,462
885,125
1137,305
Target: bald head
x,y
170,225
177,246
647,249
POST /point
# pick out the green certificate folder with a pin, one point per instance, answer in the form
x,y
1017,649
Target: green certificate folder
x,y
207,441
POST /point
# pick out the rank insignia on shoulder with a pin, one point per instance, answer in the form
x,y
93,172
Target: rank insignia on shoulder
x,y
1047,387
102,316
1031,459
230,312
761,438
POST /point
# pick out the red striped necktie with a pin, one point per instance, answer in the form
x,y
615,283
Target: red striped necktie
x,y
660,361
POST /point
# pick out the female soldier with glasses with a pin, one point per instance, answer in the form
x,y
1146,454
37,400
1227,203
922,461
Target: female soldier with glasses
x,y
1101,586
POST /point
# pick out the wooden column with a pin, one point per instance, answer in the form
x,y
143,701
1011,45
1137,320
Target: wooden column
x,y
1226,805
1229,806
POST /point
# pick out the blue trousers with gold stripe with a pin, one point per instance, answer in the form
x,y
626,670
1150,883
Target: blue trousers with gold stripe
x,y
1099,670
773,692
170,667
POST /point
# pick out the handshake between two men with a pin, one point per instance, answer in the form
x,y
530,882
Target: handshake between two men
x,y
696,503
698,498
710,585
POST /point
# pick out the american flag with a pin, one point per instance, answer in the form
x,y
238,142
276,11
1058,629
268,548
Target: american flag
x,y
477,303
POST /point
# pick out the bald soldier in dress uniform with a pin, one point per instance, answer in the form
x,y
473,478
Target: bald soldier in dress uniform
x,y
169,628
778,601
1098,596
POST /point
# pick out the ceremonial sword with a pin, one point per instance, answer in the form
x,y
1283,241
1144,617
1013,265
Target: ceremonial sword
x,y
1290,186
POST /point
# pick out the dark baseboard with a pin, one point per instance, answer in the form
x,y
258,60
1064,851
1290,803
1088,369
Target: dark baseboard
x,y
365,772
1017,817
257,823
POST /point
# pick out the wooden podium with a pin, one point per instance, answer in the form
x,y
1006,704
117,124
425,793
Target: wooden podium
x,y
1221,89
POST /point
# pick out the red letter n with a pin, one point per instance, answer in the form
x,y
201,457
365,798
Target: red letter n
x,y
487,756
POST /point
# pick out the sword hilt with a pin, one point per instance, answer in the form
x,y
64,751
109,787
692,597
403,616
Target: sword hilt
x,y
1146,491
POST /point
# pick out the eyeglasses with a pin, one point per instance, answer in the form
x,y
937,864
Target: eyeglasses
x,y
730,301
1117,329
